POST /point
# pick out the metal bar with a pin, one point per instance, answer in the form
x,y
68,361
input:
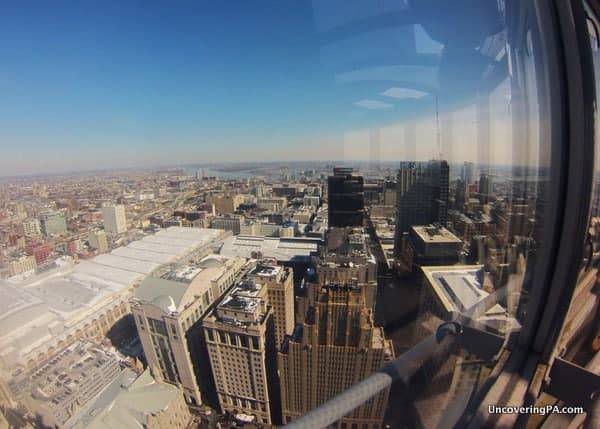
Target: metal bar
x,y
402,368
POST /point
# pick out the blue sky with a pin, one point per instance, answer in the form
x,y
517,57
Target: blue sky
x,y
149,83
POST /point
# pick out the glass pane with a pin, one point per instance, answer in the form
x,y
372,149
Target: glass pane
x,y
309,189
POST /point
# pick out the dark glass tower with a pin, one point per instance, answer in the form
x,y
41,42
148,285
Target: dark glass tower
x,y
422,195
346,198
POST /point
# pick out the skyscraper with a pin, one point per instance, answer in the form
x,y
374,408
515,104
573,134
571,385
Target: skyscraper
x,y
280,293
336,347
346,198
240,339
486,188
466,173
114,219
439,176
422,196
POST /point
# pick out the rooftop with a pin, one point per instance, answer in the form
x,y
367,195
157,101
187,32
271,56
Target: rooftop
x,y
129,401
458,287
69,294
242,305
282,249
435,234
182,282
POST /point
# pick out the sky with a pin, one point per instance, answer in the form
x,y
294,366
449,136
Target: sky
x,y
91,86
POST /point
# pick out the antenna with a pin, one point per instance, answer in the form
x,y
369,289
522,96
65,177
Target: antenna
x,y
437,128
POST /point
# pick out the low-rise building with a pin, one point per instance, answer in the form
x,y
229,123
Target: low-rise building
x,y
133,402
22,265
66,383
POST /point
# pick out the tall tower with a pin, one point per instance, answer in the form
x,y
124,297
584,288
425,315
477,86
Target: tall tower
x,y
280,293
486,188
439,175
346,198
467,172
413,199
240,340
336,347
422,196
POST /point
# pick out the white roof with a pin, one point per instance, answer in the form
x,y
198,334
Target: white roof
x,y
70,295
243,246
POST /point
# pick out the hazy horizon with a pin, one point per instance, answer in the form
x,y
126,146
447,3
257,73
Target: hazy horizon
x,y
126,86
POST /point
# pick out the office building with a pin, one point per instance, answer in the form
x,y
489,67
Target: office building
x,y
279,282
486,188
431,245
168,307
273,204
422,196
31,227
345,198
227,222
53,223
225,204
467,172
114,219
137,401
40,251
335,347
98,241
439,176
240,339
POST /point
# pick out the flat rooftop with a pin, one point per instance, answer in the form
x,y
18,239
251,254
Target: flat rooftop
x,y
458,287
281,249
242,305
433,234
269,271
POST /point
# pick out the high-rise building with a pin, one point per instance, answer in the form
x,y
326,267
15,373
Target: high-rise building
x,y
460,195
486,188
240,339
98,241
114,219
336,347
280,293
413,200
168,308
53,223
422,196
346,198
439,176
466,173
